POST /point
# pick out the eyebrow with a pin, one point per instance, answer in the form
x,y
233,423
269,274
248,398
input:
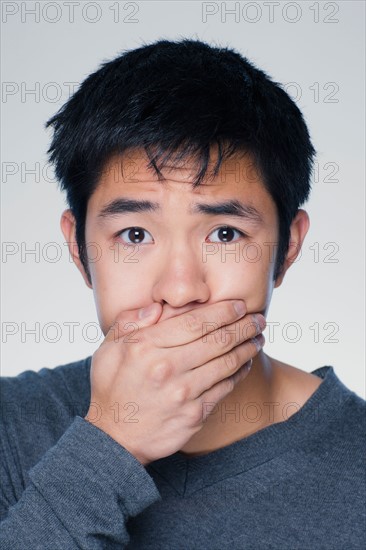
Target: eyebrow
x,y
232,207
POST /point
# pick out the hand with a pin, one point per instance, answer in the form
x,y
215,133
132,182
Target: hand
x,y
165,372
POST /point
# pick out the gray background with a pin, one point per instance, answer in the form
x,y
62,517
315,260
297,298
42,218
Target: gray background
x,y
315,48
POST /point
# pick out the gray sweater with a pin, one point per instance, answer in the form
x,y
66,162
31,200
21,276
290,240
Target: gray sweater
x,y
65,484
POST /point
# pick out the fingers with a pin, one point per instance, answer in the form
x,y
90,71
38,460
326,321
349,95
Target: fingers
x,y
207,401
130,322
194,324
215,344
207,377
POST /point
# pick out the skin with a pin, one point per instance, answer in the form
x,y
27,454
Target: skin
x,y
168,267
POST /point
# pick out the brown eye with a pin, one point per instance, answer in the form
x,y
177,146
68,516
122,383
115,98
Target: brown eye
x,y
226,234
133,235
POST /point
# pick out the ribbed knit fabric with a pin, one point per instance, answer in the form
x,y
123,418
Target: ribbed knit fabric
x,y
299,484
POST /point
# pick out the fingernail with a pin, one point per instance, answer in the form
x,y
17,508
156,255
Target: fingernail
x,y
239,307
146,311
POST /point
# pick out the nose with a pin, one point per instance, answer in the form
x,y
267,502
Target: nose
x,y
181,281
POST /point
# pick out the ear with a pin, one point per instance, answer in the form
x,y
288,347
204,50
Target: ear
x,y
68,228
298,229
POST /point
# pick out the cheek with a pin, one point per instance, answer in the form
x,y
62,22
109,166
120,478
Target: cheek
x,y
258,288
246,276
118,285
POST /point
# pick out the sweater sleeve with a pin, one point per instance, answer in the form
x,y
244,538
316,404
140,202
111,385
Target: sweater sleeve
x,y
80,495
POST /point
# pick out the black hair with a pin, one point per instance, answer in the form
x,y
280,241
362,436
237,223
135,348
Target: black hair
x,y
176,99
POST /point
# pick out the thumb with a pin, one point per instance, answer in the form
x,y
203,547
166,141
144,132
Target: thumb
x,y
130,321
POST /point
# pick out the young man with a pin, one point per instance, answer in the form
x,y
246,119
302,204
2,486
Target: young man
x,y
184,167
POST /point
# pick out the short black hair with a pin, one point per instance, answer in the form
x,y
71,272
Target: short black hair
x,y
176,99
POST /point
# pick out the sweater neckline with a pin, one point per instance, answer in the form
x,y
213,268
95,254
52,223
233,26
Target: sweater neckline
x,y
189,474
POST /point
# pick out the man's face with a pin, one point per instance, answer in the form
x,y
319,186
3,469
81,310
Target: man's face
x,y
171,255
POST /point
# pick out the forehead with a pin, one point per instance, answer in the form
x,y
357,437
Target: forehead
x,y
132,166
128,175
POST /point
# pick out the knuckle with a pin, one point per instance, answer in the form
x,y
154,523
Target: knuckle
x,y
190,323
230,361
226,337
217,336
233,337
181,395
194,415
161,372
229,384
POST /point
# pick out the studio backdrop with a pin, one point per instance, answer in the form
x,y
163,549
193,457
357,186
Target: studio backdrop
x,y
314,49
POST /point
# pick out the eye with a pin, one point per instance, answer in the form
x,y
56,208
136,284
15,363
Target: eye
x,y
136,234
226,232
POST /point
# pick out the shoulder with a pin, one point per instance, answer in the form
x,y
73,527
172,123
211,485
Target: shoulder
x,y
37,407
339,423
353,425
331,403
61,384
